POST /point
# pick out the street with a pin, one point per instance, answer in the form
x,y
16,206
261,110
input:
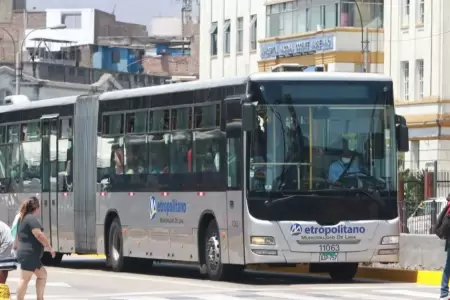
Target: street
x,y
86,278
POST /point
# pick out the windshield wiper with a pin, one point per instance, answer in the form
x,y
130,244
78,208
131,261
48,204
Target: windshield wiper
x,y
323,193
269,202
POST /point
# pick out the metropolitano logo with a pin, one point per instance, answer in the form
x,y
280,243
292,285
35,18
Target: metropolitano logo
x,y
296,229
153,208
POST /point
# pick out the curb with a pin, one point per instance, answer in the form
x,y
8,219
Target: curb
x,y
89,255
394,275
384,274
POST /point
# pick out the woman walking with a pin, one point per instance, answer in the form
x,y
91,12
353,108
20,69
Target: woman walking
x,y
30,243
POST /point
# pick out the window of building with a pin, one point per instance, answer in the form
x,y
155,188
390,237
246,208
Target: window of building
x,y
240,34
115,56
213,33
322,17
421,11
72,21
406,11
331,15
414,151
308,19
405,80
226,36
253,32
419,78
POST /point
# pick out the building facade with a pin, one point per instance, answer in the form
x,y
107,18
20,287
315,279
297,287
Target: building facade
x,y
14,19
76,44
117,59
174,59
415,56
229,34
343,36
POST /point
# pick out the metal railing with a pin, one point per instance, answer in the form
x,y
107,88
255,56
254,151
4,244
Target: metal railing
x,y
425,195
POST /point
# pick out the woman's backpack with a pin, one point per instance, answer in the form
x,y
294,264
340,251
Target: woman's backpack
x,y
443,224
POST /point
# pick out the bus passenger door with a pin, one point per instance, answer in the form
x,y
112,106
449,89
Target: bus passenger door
x,y
235,201
49,177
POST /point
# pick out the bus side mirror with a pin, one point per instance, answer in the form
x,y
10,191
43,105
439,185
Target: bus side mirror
x,y
248,117
402,134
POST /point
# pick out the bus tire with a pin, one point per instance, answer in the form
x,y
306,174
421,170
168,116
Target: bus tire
x,y
213,260
116,258
344,272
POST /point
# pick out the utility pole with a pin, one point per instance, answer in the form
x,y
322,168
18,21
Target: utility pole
x,y
364,41
366,52
186,11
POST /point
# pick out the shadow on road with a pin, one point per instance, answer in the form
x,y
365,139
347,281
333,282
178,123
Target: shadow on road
x,y
249,277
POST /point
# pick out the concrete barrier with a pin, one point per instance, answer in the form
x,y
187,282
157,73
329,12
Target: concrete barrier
x,y
421,252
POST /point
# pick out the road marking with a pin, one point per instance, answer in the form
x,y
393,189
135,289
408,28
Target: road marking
x,y
289,296
125,277
217,297
409,293
353,295
49,283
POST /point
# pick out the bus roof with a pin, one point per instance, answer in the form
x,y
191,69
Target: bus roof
x,y
262,76
323,76
200,84
38,104
173,88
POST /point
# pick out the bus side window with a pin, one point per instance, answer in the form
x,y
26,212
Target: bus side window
x,y
65,158
234,161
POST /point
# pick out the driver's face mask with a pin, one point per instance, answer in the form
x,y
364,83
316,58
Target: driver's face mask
x,y
345,160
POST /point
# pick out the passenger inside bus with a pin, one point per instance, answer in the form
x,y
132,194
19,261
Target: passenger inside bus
x,y
119,162
134,161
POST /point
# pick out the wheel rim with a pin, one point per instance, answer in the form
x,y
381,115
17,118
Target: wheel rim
x,y
213,252
115,247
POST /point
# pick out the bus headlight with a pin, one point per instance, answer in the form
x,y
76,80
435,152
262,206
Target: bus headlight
x,y
262,240
389,240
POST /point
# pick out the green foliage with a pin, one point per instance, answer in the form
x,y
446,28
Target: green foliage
x,y
414,188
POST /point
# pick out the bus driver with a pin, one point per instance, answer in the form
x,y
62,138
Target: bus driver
x,y
338,167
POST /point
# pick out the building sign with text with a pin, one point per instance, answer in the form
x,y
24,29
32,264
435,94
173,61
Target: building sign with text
x,y
297,47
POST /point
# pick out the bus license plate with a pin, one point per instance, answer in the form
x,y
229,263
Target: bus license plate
x,y
328,256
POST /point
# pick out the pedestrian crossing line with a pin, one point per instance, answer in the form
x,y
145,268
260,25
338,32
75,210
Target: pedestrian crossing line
x,y
354,295
215,297
33,283
409,293
139,298
290,296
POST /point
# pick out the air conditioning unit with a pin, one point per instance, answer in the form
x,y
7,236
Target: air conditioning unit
x,y
288,68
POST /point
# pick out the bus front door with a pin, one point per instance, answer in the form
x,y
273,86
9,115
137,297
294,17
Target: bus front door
x,y
49,177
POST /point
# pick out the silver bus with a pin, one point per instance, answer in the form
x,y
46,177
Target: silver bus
x,y
224,173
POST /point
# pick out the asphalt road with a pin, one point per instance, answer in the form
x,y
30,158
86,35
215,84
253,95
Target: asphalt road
x,y
82,278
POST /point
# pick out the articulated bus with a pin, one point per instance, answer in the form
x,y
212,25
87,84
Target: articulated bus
x,y
274,168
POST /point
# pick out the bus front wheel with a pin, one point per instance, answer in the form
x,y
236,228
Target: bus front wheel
x,y
344,272
115,257
213,255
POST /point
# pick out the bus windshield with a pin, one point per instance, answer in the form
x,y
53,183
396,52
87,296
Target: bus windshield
x,y
320,145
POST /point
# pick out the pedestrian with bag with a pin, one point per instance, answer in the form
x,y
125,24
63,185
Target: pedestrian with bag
x,y
443,232
30,243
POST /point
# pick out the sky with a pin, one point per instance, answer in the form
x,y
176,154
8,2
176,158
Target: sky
x,y
135,11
